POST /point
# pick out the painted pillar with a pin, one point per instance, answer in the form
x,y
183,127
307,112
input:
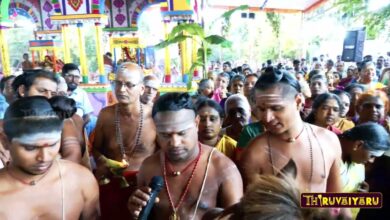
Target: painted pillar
x,y
83,61
65,40
55,67
99,53
138,53
194,54
183,56
167,60
4,52
33,58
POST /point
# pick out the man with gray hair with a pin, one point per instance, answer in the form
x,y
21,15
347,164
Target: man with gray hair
x,y
152,84
124,136
238,112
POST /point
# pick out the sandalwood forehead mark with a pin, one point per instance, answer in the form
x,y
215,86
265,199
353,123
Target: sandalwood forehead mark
x,y
33,138
174,127
153,84
268,99
268,96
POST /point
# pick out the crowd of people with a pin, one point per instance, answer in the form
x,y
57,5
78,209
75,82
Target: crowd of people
x,y
243,147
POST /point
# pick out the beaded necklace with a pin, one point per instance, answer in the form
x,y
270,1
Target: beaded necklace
x,y
174,215
310,174
178,173
118,132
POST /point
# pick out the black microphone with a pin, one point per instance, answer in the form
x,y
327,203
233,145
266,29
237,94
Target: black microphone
x,y
156,184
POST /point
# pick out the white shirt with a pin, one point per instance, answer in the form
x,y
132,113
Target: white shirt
x,y
83,104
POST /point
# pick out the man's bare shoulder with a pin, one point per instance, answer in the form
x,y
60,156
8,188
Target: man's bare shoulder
x,y
219,160
75,171
152,160
148,110
108,110
151,164
107,113
257,145
327,139
324,134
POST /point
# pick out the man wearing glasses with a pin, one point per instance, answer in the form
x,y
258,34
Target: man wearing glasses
x,y
124,136
72,76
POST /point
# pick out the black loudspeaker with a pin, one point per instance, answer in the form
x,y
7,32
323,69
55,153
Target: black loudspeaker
x,y
354,45
244,15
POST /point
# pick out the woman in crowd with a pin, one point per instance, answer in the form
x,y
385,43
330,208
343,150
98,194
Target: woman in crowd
x,y
372,106
210,124
206,88
343,123
361,145
238,112
354,90
326,112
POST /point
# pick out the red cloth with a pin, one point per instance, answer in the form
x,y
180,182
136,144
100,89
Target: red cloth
x,y
113,198
335,130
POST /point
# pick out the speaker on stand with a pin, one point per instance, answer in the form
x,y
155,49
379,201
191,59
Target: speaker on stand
x,y
353,45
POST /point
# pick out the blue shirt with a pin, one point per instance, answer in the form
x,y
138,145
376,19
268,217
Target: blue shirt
x,y
3,106
83,104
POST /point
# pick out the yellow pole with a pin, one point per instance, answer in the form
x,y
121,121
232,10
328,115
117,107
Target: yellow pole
x,y
4,53
194,50
99,53
65,39
83,61
41,55
184,56
194,54
167,56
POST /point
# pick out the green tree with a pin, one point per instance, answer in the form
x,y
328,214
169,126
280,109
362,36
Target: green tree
x,y
186,31
376,22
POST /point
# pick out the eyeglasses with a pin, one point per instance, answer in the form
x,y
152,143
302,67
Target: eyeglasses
x,y
72,76
118,84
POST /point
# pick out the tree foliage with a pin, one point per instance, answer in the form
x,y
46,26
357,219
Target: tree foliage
x,y
185,31
274,20
375,22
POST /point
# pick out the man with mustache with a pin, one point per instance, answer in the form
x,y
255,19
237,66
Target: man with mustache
x,y
318,85
72,76
152,84
124,136
197,177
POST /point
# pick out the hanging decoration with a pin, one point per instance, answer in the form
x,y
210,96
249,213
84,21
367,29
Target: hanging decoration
x,y
75,4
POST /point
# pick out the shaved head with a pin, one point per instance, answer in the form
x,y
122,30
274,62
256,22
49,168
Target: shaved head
x,y
131,69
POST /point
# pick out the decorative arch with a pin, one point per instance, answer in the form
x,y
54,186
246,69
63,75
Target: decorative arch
x,y
25,9
136,9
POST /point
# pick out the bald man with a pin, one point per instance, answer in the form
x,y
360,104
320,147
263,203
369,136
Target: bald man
x,y
152,84
125,136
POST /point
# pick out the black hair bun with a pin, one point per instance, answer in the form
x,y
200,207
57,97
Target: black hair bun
x,y
63,106
273,75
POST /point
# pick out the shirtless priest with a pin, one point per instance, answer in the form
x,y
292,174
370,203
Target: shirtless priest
x,y
35,184
315,151
124,136
197,177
